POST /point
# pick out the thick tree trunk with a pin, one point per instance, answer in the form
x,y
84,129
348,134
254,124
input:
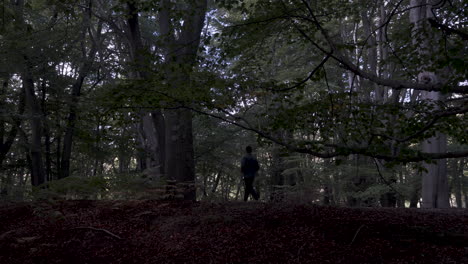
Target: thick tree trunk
x,y
434,183
435,192
179,146
181,50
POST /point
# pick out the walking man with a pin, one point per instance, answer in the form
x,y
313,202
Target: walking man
x,y
249,168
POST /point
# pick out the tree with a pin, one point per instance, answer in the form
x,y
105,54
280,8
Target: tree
x,y
95,37
434,182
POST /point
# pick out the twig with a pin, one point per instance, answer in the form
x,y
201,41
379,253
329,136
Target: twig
x,y
355,235
99,229
4,235
300,249
383,178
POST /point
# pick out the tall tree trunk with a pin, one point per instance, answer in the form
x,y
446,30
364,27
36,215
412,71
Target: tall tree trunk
x,y
152,132
434,183
6,143
38,175
84,70
5,78
34,111
415,190
181,51
48,161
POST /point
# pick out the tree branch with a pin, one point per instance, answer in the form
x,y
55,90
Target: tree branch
x,y
101,230
346,62
448,29
306,79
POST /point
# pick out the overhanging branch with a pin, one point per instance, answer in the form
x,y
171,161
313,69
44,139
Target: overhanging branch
x,y
336,149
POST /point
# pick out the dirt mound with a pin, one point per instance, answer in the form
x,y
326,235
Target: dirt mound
x,y
185,232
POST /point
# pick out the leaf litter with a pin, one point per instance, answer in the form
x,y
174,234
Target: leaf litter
x,y
151,231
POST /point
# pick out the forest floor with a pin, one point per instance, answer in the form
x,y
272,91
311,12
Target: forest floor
x,y
184,232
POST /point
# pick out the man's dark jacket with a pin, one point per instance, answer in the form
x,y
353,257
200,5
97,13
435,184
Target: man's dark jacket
x,y
249,166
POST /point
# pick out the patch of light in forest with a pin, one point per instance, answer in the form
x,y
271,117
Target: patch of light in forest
x,y
65,68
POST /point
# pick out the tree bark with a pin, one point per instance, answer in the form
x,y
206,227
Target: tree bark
x,y
181,51
179,146
434,183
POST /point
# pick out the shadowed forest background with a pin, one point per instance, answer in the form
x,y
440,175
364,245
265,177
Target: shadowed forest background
x,y
356,103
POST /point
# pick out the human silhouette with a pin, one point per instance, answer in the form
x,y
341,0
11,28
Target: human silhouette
x,y
249,168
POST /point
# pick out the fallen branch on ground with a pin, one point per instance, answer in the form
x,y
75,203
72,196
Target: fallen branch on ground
x,y
355,235
99,229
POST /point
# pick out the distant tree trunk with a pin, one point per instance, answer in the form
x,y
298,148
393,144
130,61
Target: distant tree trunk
x,y
371,56
152,127
48,161
58,151
216,183
124,153
327,195
38,175
328,191
415,194
141,152
3,147
153,136
400,197
6,143
457,180
238,191
276,174
34,111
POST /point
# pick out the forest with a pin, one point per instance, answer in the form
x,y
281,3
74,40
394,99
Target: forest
x,y
356,103
136,110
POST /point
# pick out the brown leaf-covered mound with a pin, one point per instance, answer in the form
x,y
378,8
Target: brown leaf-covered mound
x,y
184,232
